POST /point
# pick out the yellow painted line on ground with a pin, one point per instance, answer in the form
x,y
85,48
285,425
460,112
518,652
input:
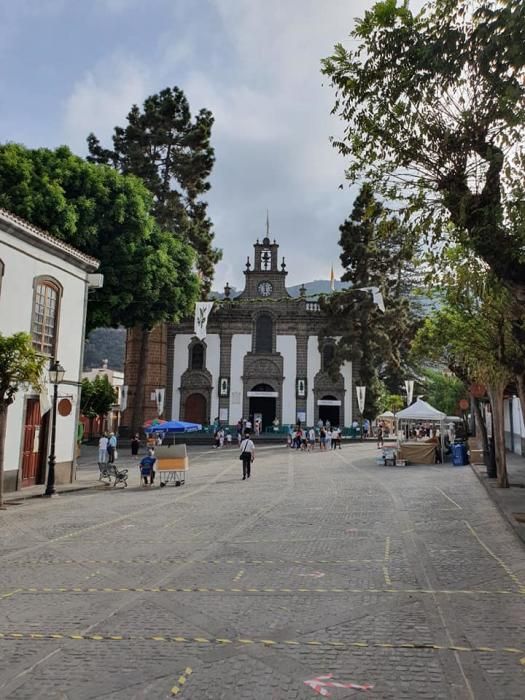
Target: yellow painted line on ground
x,y
181,681
217,641
499,560
239,575
386,575
238,562
199,589
10,594
448,498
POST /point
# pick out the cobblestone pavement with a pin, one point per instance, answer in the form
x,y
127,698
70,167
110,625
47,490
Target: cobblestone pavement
x,y
407,579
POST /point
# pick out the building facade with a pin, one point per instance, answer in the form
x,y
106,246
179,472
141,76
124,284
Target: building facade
x,y
43,291
261,358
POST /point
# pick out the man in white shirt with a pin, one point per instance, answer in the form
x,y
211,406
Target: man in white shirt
x,y
247,455
103,450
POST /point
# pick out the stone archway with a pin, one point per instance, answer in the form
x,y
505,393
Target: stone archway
x,y
263,404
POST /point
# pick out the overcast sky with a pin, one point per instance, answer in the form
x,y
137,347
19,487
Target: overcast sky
x,y
69,67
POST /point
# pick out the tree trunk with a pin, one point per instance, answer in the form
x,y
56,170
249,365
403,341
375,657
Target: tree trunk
x,y
3,427
496,392
480,422
141,376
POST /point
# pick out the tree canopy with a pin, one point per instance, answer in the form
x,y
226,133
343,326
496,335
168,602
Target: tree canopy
x,y
97,397
434,106
376,252
172,154
147,272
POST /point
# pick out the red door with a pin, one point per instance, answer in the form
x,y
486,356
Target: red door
x,y
34,445
195,409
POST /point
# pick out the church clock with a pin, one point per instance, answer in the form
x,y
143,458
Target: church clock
x,y
265,289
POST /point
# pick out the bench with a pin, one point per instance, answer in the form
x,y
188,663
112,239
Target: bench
x,y
172,464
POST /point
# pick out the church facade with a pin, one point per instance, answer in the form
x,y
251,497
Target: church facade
x,y
261,358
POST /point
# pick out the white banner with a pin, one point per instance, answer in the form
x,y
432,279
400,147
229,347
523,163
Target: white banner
x,y
377,297
409,386
202,311
123,398
45,402
361,395
159,398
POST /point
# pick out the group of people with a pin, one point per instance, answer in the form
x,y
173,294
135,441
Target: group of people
x,y
222,437
107,448
306,438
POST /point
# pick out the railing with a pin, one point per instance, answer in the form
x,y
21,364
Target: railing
x,y
313,306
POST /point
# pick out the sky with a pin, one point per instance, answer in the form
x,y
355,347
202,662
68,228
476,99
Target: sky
x,y
69,67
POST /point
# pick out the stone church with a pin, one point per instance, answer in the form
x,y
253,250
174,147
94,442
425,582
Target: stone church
x,y
261,358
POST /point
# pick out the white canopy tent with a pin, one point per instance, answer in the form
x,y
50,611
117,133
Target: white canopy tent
x,y
422,411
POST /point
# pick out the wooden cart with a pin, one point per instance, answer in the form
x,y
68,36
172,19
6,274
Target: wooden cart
x,y
172,464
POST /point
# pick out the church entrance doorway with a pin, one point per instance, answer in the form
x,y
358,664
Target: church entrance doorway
x,y
263,403
196,409
329,410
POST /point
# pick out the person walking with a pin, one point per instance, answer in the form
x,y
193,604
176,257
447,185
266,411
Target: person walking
x,y
135,444
379,436
112,447
247,455
102,454
311,439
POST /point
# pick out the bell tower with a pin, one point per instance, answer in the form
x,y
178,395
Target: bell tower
x,y
265,279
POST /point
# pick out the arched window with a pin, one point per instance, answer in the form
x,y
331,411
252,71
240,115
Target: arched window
x,y
328,356
264,333
197,356
44,325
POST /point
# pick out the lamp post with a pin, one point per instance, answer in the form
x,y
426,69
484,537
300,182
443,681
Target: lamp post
x,y
56,375
361,395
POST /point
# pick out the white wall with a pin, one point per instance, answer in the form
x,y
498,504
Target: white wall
x,y
180,365
22,263
314,366
518,426
241,344
213,362
346,371
287,346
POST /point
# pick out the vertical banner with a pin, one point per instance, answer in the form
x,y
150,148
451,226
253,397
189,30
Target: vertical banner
x,y
202,311
377,297
409,386
123,397
361,395
159,398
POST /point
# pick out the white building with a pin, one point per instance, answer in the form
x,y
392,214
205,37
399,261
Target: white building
x,y
116,379
43,291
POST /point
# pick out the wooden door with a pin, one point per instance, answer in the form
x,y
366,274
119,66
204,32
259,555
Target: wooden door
x,y
195,409
33,445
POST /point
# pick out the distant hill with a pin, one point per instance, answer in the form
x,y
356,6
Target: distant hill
x,y
105,344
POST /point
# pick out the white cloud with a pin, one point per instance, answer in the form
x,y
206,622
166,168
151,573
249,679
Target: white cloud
x,y
102,98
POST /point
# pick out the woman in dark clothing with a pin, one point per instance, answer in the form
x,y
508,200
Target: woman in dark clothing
x,y
135,444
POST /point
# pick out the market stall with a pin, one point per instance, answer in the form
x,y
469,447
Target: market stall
x,y
421,451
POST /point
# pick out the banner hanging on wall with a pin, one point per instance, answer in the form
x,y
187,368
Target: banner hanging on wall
x,y
361,395
159,398
409,386
202,311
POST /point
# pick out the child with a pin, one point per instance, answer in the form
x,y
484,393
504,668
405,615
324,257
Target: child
x,y
147,465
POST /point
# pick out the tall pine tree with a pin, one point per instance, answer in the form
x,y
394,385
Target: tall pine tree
x,y
377,251
171,153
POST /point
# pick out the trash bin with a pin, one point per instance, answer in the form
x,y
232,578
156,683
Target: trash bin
x,y
459,454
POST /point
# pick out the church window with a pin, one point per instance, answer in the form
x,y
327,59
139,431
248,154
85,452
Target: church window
x,y
264,333
44,324
328,356
197,356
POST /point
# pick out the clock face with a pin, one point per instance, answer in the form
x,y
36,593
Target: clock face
x,y
264,289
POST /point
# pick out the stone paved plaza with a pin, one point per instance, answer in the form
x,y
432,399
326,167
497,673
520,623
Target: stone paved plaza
x,y
406,579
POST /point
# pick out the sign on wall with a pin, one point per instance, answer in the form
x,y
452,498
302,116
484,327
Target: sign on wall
x,y
224,386
301,388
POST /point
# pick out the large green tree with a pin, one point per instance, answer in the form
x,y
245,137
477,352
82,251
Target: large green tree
x,y
434,109
147,272
20,366
377,251
171,153
97,398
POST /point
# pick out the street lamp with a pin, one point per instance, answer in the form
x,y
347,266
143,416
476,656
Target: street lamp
x,y
56,375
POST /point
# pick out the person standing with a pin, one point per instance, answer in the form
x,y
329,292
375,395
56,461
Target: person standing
x,y
311,439
102,454
247,455
112,447
135,444
379,436
328,437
